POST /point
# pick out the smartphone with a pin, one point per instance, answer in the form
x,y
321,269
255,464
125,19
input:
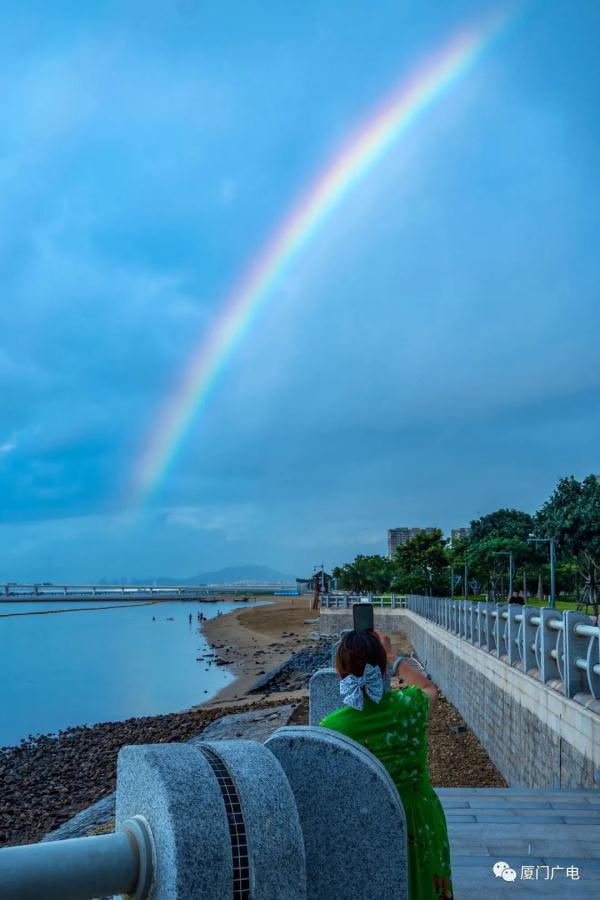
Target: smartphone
x,y
362,615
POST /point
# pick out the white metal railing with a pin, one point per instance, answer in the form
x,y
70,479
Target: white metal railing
x,y
549,644
342,600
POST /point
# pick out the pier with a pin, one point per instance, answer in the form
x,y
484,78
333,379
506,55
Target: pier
x,y
14,593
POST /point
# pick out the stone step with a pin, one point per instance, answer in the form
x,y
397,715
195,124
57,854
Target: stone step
x,y
517,791
498,803
531,828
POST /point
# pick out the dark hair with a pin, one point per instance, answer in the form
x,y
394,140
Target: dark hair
x,y
357,648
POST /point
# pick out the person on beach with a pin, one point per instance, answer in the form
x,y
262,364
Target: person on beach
x,y
393,726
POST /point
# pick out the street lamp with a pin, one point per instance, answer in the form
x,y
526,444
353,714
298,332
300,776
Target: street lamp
x,y
321,569
508,553
552,541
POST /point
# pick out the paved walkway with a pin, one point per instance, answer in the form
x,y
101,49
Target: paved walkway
x,y
524,827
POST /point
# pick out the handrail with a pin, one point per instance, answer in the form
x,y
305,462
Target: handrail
x,y
552,645
547,643
81,868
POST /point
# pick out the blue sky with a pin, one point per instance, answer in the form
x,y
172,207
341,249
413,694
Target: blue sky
x,y
432,356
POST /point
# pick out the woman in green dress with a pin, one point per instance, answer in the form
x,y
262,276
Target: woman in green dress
x,y
393,726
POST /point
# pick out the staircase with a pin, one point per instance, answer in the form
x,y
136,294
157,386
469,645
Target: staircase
x,y
524,827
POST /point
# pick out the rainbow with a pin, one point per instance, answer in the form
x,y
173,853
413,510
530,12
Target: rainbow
x,y
381,132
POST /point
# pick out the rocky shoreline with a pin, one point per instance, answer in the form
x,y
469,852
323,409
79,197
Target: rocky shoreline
x,y
48,780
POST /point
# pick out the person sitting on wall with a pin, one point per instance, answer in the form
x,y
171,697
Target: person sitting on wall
x,y
393,726
515,597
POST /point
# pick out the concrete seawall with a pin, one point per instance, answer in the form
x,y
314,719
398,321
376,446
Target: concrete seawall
x,y
534,735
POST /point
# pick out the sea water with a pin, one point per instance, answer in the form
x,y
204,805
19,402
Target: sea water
x,y
99,665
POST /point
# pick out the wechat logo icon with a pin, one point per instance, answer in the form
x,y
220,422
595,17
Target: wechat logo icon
x,y
503,870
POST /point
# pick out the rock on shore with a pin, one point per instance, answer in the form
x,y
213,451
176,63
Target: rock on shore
x,y
295,672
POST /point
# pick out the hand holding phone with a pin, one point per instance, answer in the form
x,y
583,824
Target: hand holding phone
x,y
362,616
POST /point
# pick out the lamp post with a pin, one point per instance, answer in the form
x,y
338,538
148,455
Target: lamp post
x,y
428,568
552,542
466,585
321,569
508,553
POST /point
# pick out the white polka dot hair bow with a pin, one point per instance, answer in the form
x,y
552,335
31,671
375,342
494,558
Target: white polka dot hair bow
x,y
352,687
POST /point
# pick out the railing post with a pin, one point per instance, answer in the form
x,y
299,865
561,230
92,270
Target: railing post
x,y
574,646
500,629
593,659
512,631
461,619
546,642
528,630
490,630
479,624
474,610
469,621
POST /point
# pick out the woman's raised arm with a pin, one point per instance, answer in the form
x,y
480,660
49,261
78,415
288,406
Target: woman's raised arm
x,y
410,675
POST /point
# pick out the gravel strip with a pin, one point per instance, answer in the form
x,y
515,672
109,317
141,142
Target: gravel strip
x,y
455,758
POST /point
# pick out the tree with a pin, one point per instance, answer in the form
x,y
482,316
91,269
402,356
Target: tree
x,y
420,566
572,517
367,574
504,523
500,532
488,561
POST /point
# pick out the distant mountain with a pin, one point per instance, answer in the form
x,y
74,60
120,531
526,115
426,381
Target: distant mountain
x,y
228,575
247,574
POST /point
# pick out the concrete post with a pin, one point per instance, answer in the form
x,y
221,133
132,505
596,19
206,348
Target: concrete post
x,y
479,624
512,630
323,695
593,659
366,858
490,628
574,646
528,630
547,641
223,819
500,624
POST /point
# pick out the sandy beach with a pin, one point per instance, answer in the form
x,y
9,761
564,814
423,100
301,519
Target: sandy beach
x,y
254,640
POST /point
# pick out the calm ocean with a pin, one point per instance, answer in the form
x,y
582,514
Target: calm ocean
x,y
78,668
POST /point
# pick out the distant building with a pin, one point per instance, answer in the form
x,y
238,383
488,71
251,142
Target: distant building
x,y
459,534
396,537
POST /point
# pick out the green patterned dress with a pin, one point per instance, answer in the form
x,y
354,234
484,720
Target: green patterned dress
x,y
395,731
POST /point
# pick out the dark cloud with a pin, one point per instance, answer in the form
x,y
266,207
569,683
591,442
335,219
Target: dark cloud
x,y
431,356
